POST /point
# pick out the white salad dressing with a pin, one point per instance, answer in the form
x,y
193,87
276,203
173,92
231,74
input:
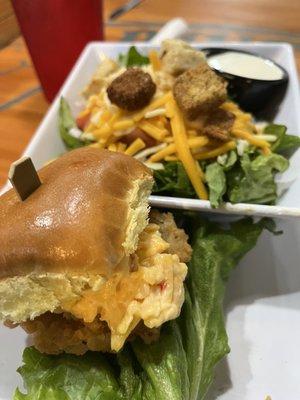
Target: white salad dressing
x,y
245,65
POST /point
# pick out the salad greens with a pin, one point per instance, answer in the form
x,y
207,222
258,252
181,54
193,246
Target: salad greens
x,y
180,365
132,58
66,122
285,141
216,182
252,181
249,178
173,180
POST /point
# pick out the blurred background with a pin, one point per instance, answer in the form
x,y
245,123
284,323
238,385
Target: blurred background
x,y
22,103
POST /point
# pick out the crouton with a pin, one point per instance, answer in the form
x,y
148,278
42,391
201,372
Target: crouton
x,y
199,90
219,124
178,56
164,81
98,80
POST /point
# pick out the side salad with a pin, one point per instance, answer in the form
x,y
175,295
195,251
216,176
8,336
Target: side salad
x,y
172,112
180,365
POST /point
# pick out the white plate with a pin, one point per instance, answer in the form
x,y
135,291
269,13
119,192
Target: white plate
x,y
46,143
263,295
262,320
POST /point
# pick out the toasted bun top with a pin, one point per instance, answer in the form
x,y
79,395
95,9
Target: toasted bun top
x,y
83,219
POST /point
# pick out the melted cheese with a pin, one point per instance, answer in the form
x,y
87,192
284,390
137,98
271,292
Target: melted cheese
x,y
130,296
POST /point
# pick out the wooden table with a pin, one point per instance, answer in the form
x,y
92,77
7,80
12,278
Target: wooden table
x,y
22,104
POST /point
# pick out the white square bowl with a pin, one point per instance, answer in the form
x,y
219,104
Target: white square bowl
x,y
263,295
46,143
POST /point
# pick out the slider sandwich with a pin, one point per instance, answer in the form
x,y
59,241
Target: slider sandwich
x,y
82,264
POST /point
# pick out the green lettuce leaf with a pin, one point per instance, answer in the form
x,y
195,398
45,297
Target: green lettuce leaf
x,y
180,365
66,122
216,251
216,181
68,377
132,58
173,181
215,175
165,365
131,385
285,141
228,161
252,181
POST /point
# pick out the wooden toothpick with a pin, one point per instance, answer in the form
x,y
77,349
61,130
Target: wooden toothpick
x,y
24,178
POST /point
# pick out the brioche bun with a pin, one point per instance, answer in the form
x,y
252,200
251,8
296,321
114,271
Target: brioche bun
x,y
72,232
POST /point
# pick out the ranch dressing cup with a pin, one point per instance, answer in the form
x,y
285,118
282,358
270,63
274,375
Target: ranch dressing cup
x,y
258,84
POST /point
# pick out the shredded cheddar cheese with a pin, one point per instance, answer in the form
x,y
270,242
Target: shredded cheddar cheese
x,y
106,116
154,60
183,151
195,142
103,132
216,152
157,103
112,147
90,128
250,138
171,158
243,127
152,130
98,145
84,113
115,117
121,147
125,124
266,151
135,146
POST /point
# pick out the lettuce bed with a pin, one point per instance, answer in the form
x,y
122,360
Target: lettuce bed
x,y
180,366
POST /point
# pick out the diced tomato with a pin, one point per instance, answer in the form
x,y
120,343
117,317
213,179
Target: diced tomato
x,y
83,120
162,285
